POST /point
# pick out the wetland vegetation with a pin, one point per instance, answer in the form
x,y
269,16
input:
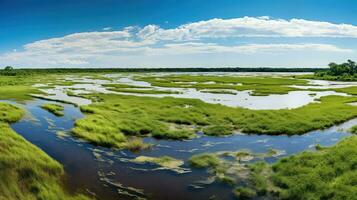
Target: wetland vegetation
x,y
113,117
53,108
128,120
26,171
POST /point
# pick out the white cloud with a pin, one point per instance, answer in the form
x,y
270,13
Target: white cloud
x,y
203,37
107,28
250,27
209,48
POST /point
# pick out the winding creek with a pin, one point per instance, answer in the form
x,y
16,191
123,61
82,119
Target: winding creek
x,y
109,174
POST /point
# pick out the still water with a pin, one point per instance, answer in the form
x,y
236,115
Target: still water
x,y
108,174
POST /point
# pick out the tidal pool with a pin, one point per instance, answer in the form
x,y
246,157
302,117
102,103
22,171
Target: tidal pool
x,y
109,174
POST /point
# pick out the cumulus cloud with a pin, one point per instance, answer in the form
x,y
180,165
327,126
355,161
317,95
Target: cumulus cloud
x,y
250,27
203,37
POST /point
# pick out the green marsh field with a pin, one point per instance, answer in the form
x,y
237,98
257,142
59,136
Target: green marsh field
x,y
176,135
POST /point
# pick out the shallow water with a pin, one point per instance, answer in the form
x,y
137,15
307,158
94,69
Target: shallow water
x,y
293,99
109,175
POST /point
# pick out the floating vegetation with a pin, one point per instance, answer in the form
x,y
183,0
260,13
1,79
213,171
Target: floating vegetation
x,y
231,167
164,163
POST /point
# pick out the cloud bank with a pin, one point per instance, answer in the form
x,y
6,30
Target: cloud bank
x,y
213,37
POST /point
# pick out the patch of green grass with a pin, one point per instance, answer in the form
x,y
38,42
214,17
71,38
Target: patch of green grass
x,y
26,171
329,173
217,91
259,85
142,91
218,130
118,87
121,86
244,193
17,88
55,109
349,90
354,129
204,160
114,117
10,113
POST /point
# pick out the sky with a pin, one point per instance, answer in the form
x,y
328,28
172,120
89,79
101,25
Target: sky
x,y
177,33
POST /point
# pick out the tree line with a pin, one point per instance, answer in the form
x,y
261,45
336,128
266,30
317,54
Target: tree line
x,y
10,71
343,71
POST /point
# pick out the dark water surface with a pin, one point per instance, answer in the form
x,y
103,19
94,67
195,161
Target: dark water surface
x,y
109,175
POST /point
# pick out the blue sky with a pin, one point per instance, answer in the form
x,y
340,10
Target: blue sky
x,y
195,33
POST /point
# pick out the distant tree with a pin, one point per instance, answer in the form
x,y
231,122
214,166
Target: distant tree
x,y
8,68
339,69
352,66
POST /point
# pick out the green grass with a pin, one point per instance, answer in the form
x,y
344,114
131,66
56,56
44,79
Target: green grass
x,y
55,109
259,85
204,160
327,173
109,121
354,129
121,86
26,171
244,193
10,113
16,88
218,91
141,91
136,89
349,90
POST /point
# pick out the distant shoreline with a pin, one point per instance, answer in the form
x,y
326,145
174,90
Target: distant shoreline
x,y
106,70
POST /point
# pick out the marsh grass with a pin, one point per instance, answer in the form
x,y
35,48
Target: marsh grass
x,y
55,109
327,173
125,88
10,113
26,171
16,88
114,117
142,91
260,86
354,129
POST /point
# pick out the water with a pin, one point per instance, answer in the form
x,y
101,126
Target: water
x,y
293,99
109,175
